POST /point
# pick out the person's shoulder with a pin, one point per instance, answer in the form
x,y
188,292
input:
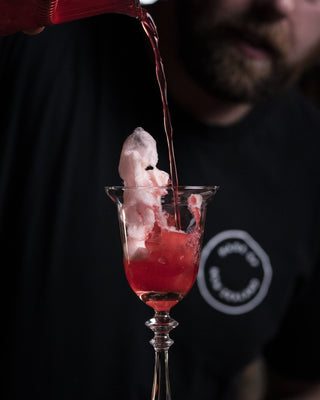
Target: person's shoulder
x,y
288,114
301,110
296,118
292,121
306,105
305,133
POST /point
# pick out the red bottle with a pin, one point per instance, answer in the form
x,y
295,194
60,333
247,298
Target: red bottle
x,y
19,15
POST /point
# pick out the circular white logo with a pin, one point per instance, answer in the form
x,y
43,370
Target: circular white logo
x,y
235,272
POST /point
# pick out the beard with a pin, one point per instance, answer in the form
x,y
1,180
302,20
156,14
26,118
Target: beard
x,y
212,53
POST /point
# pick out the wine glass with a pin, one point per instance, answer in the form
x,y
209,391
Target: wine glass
x,y
161,230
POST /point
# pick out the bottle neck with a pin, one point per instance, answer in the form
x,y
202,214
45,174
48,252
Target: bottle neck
x,y
68,10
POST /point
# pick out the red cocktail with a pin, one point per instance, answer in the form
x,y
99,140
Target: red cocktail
x,y
167,275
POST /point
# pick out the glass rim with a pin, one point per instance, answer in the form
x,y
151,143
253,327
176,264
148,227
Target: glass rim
x,y
167,187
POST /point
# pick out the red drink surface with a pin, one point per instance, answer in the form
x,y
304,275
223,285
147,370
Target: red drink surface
x,y
169,272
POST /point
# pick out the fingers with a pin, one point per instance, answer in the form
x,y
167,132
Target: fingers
x,y
34,31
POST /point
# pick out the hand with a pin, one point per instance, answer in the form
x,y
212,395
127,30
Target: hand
x,y
280,388
34,31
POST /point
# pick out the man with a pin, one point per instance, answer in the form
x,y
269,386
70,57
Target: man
x,y
70,97
222,58
233,54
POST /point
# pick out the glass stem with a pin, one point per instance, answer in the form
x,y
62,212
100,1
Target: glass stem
x,y
161,324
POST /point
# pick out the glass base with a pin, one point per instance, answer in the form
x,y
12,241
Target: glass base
x,y
161,324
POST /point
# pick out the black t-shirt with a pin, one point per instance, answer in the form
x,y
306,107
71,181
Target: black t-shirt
x,y
70,96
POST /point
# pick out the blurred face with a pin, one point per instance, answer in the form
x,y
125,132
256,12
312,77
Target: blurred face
x,y
247,50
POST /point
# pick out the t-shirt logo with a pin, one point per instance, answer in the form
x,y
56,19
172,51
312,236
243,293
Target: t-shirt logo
x,y
235,272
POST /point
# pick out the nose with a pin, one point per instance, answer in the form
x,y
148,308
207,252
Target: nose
x,y
283,6
274,9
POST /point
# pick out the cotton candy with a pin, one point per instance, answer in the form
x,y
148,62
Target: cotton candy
x,y
138,161
138,168
145,184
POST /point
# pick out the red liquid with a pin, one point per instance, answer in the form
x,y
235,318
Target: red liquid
x,y
171,269
152,33
169,272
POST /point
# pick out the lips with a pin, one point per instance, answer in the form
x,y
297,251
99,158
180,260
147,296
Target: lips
x,y
252,50
253,45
